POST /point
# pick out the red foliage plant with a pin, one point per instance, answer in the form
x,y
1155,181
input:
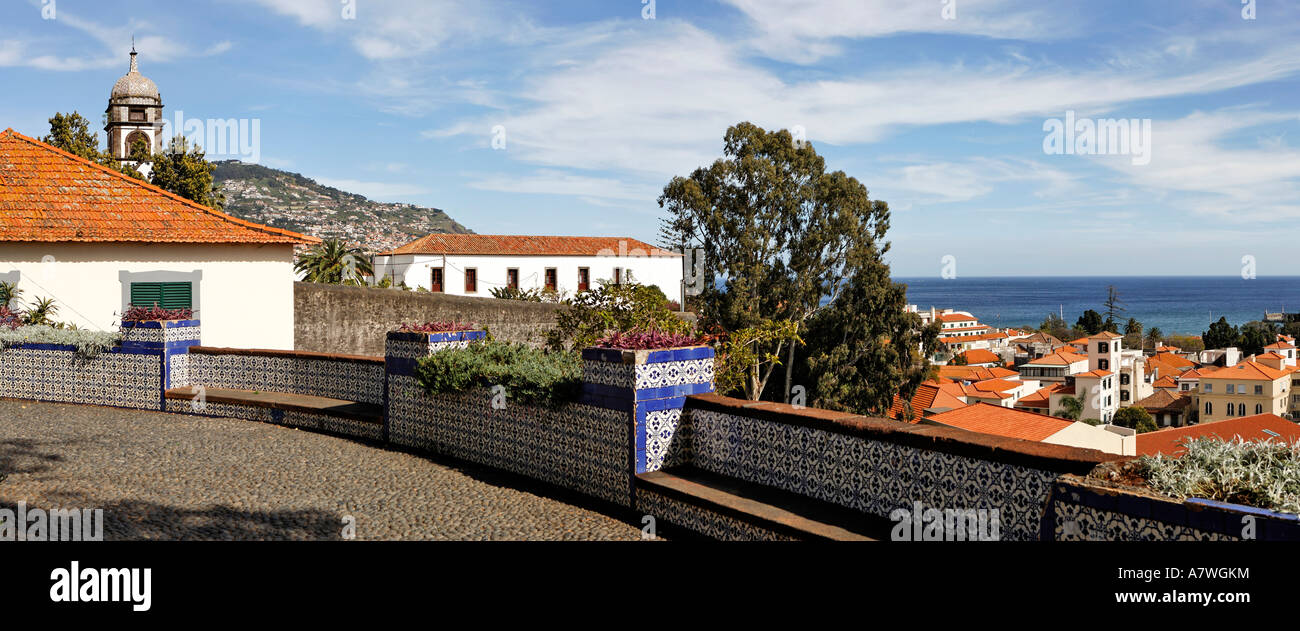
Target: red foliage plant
x,y
647,340
10,319
154,313
437,327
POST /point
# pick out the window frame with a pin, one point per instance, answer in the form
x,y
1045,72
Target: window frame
x,y
471,280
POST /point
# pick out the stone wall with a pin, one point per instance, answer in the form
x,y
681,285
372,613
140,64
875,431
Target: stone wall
x,y
354,320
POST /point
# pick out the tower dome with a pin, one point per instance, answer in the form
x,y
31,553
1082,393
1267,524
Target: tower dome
x,y
134,114
134,88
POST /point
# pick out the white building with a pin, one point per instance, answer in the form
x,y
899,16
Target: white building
x,y
474,264
96,241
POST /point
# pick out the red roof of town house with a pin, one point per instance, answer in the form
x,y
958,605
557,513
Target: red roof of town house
x,y
1095,373
1246,370
1042,398
928,395
498,244
48,195
1164,400
1059,358
1165,382
1179,362
1250,428
957,317
986,418
1280,345
975,373
980,356
1105,335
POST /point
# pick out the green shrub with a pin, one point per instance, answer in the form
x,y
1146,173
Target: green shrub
x,y
88,343
1263,474
529,375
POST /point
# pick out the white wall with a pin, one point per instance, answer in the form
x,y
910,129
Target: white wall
x,y
664,271
1080,434
243,293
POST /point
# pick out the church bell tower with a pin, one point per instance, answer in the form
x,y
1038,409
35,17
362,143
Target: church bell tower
x,y
135,113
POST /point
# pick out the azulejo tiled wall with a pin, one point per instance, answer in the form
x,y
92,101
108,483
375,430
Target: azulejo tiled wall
x,y
575,446
872,476
653,385
403,348
276,372
703,521
290,418
1083,510
117,377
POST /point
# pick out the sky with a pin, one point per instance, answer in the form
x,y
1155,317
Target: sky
x,y
569,117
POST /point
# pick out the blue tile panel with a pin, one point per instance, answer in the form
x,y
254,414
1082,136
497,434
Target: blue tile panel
x,y
653,385
871,476
402,350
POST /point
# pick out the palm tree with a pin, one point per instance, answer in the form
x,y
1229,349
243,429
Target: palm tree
x,y
41,312
9,293
1073,408
1153,335
333,262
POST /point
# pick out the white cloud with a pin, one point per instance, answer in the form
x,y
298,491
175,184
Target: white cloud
x,y
804,32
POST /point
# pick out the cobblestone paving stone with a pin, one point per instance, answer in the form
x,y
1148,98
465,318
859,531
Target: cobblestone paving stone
x,y
172,476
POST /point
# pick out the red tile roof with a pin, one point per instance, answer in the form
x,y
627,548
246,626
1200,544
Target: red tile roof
x,y
957,317
1167,441
975,373
1059,358
48,195
496,244
1010,422
980,356
929,395
1179,362
1246,370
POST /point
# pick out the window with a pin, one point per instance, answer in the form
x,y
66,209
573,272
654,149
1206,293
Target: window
x,y
1123,395
618,276
1259,389
584,279
1209,408
471,280
1209,388
1103,364
1123,379
1230,388
136,116
512,277
1186,387
1102,347
1259,409
165,295
1241,409
435,279
551,279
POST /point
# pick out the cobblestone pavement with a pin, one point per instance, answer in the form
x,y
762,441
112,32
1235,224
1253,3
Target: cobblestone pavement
x,y
172,476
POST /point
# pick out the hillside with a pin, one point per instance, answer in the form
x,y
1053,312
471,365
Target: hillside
x,y
289,200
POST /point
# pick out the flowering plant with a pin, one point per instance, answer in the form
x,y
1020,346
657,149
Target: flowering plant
x,y
437,327
150,314
644,340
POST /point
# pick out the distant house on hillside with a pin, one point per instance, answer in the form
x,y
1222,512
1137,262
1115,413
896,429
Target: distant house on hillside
x,y
474,264
97,241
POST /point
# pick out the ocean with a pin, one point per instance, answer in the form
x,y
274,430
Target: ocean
x,y
1177,304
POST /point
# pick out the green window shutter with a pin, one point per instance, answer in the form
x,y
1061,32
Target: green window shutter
x,y
165,295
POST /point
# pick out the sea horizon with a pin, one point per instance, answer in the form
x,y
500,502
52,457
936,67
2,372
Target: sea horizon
x,y
1179,305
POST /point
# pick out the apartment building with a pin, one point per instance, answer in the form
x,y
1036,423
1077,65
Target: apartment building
x,y
1249,388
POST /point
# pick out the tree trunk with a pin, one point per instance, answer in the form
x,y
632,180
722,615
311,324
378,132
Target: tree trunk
x,y
789,371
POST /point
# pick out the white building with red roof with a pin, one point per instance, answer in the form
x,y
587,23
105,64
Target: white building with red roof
x,y
474,264
97,241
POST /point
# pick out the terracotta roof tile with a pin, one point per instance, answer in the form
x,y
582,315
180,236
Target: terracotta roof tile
x,y
48,195
999,421
1246,370
496,244
1167,441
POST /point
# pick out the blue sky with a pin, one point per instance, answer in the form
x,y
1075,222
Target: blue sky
x,y
942,118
